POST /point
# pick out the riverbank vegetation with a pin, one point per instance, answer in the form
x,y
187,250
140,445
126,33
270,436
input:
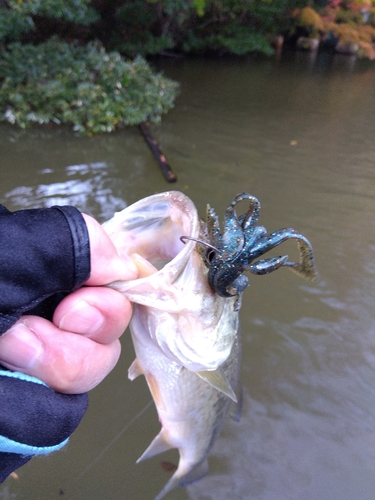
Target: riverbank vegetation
x,y
53,69
82,62
347,27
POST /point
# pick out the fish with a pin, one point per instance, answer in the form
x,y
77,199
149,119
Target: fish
x,y
185,322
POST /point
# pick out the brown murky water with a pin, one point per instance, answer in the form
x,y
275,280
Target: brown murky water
x,y
298,133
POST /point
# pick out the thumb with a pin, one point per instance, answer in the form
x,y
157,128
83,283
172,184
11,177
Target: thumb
x,y
65,361
106,265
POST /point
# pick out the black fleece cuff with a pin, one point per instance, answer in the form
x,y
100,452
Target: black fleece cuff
x,y
44,254
34,419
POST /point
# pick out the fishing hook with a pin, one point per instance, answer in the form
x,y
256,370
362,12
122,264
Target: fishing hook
x,y
182,238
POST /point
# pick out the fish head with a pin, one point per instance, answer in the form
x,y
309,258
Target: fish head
x,y
186,318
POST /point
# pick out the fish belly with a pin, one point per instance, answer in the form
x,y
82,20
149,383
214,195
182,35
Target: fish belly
x,y
191,411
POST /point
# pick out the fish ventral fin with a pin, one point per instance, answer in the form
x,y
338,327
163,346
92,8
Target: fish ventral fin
x,y
217,379
159,444
134,370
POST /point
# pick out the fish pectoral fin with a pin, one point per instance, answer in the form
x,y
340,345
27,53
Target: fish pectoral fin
x,y
235,409
159,444
217,379
134,370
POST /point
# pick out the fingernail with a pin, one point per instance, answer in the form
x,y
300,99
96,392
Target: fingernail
x,y
19,347
82,318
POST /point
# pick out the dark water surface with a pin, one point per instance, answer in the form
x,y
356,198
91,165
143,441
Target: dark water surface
x,y
298,134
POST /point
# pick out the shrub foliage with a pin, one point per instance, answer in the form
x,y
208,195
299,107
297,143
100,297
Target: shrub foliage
x,y
53,81
95,90
349,24
214,26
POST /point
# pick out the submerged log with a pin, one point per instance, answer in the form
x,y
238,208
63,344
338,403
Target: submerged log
x,y
168,173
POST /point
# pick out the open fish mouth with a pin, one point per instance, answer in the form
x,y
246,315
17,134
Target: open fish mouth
x,y
152,228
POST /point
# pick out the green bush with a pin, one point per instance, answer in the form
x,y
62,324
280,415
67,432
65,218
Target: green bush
x,y
221,26
44,79
17,17
84,86
240,41
133,33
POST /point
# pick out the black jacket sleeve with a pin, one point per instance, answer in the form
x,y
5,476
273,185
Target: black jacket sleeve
x,y
44,254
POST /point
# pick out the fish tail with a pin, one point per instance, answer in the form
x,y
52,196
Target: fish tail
x,y
185,474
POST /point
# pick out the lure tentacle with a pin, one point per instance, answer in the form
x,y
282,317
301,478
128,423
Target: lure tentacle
x,y
266,266
234,251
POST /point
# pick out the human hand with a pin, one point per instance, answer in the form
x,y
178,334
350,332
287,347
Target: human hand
x,y
75,351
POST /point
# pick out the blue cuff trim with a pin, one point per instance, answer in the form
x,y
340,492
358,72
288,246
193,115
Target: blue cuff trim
x,y
10,446
21,376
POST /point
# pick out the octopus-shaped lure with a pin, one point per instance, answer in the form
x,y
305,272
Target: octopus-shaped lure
x,y
231,253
